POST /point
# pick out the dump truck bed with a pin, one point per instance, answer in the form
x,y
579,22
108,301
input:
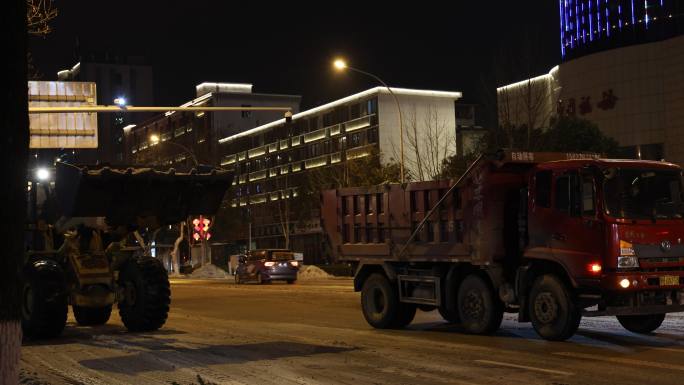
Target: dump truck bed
x,y
476,222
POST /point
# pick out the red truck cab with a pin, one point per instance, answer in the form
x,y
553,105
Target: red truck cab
x,y
616,226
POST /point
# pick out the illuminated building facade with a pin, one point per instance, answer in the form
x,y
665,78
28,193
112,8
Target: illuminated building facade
x,y
622,67
273,160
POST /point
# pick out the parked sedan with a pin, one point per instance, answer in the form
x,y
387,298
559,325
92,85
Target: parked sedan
x,y
267,265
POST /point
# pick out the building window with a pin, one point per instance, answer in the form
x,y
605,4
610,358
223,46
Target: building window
x,y
246,114
355,111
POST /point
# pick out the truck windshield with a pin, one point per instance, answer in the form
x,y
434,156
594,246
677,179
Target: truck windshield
x,y
643,194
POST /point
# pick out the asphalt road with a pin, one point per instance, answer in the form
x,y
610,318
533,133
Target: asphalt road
x,y
313,333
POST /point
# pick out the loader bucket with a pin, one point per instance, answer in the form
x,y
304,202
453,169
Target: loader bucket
x,y
122,195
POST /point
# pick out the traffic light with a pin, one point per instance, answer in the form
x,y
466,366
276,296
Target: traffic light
x,y
200,229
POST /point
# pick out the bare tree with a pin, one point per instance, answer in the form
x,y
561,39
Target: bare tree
x,y
14,158
283,205
428,138
39,14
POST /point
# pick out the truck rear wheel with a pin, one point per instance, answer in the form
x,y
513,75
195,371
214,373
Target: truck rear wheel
x,y
145,305
44,300
554,314
641,324
92,316
450,316
381,306
479,309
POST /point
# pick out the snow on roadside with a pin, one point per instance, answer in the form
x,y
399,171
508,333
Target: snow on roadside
x,y
312,272
209,271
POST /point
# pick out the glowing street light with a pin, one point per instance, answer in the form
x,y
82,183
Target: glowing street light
x,y
120,101
154,139
42,174
341,65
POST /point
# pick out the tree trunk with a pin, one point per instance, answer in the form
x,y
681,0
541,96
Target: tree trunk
x,y
13,168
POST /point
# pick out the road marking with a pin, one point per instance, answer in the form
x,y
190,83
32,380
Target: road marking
x,y
508,365
668,349
620,360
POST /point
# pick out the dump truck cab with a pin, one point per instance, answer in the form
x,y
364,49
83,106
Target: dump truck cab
x,y
616,228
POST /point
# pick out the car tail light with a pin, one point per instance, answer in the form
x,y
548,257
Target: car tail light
x,y
269,264
294,263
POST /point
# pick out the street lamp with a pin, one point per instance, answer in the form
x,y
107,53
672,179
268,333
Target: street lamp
x,y
154,140
341,65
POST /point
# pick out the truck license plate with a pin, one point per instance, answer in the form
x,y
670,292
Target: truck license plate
x,y
669,280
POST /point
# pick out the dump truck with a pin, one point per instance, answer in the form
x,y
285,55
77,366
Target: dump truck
x,y
85,243
553,237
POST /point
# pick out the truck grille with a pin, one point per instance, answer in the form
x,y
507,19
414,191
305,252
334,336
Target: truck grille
x,y
656,281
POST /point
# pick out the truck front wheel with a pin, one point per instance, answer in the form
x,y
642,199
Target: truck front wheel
x,y
381,306
554,314
642,324
479,309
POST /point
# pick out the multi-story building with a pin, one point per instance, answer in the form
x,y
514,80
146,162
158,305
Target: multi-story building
x,y
179,138
116,76
622,67
274,160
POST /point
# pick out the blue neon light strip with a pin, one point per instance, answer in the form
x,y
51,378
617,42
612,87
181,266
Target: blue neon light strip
x,y
562,33
633,12
646,12
591,23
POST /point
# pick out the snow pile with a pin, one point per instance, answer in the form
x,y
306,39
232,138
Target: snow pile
x,y
209,271
312,272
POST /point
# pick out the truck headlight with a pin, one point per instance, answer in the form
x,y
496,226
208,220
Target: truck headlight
x,y
627,262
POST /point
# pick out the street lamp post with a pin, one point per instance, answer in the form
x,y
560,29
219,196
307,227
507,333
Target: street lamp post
x,y
341,65
154,139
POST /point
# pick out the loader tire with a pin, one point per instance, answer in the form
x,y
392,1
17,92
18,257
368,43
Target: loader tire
x,y
553,312
642,324
44,300
91,316
147,294
479,308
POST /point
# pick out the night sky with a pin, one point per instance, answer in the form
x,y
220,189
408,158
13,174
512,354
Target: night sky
x,y
461,45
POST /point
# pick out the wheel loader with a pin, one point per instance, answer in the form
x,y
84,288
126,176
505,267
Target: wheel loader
x,y
98,216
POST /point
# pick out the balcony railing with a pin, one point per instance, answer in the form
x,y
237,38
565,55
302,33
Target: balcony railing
x,y
360,152
256,151
336,129
228,159
316,162
356,124
336,157
258,175
273,147
283,144
296,140
242,155
315,135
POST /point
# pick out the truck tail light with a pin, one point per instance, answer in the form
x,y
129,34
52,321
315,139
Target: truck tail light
x,y
269,264
595,268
